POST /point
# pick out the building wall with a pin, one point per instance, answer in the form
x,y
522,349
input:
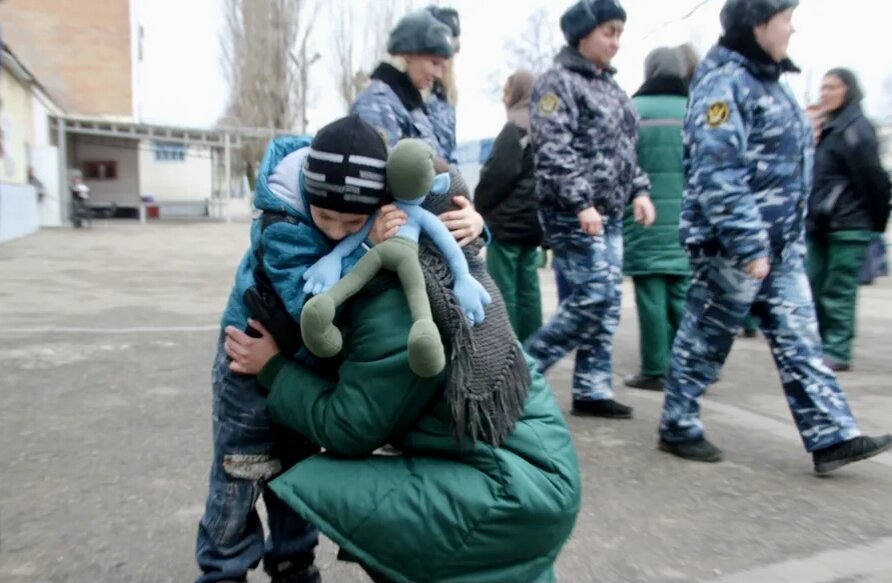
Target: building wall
x,y
18,211
45,162
80,50
189,179
123,190
16,121
40,133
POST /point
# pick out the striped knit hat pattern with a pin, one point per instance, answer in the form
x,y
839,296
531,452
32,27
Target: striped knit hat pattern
x,y
344,171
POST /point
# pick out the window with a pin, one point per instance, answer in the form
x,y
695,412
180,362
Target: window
x,y
100,170
169,151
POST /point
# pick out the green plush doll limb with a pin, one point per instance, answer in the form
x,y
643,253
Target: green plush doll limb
x,y
410,175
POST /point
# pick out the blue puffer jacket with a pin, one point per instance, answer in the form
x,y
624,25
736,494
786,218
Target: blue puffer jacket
x,y
289,247
442,115
393,106
748,160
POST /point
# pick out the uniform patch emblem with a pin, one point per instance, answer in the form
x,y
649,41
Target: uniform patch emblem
x,y
717,114
548,104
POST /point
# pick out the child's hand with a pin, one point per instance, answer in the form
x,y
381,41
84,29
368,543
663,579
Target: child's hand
x,y
390,219
249,355
465,224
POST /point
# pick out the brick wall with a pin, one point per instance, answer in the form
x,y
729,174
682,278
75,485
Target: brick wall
x,y
79,50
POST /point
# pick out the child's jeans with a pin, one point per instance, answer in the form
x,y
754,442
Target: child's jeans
x,y
248,452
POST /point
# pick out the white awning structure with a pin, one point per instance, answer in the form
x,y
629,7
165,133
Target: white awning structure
x,y
222,139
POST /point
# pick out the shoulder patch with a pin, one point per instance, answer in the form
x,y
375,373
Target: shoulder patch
x,y
717,114
548,103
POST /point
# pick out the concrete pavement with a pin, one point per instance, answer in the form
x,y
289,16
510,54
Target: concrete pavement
x,y
105,346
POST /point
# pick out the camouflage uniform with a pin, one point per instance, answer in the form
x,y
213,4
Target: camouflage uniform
x,y
584,136
396,110
748,161
442,116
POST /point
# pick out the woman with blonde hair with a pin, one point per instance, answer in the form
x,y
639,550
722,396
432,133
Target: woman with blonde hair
x,y
444,93
393,102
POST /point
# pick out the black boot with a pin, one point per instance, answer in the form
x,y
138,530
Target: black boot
x,y
298,569
645,382
837,366
697,451
602,408
856,449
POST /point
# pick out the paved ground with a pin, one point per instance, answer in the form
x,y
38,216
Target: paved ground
x,y
105,348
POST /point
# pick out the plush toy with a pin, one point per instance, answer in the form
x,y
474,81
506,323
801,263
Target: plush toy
x,y
410,177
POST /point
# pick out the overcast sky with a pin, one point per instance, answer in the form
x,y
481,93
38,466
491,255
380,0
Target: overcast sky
x,y
182,83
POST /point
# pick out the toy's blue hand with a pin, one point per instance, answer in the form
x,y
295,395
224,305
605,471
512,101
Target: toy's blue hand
x,y
472,297
441,184
323,274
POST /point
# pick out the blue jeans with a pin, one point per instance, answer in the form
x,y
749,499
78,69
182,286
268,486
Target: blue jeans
x,y
563,286
720,297
249,451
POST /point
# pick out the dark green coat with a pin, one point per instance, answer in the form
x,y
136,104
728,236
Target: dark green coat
x,y
656,250
441,512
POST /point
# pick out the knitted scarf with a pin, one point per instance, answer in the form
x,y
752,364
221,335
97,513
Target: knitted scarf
x,y
488,379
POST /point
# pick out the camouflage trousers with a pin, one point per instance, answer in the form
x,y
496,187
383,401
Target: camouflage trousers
x,y
719,298
587,319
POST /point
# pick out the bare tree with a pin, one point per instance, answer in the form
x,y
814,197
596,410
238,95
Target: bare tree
x,y
346,44
385,16
537,45
266,57
304,59
360,39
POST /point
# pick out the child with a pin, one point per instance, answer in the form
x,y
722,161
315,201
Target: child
x,y
311,198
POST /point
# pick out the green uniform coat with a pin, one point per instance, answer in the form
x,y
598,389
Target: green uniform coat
x,y
653,256
656,250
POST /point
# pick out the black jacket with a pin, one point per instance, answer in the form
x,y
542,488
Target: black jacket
x,y
506,193
851,188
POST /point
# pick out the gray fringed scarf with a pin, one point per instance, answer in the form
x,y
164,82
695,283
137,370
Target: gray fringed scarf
x,y
488,377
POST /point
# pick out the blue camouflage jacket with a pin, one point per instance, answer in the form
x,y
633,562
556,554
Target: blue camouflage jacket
x,y
290,246
393,106
748,160
442,116
584,138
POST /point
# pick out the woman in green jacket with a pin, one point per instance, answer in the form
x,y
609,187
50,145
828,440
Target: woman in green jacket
x,y
653,257
487,488
849,204
506,197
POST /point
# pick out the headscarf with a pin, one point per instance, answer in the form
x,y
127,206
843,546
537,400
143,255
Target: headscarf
x,y
520,87
853,88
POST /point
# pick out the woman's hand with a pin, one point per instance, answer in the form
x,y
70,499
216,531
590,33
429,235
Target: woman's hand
x,y
390,219
249,355
758,269
644,211
591,222
465,224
